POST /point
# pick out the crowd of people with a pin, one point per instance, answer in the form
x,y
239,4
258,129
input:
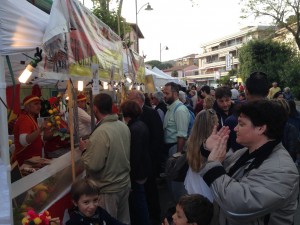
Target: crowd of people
x,y
241,144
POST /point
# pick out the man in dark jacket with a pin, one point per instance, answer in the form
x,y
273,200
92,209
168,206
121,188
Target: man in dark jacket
x,y
151,118
223,104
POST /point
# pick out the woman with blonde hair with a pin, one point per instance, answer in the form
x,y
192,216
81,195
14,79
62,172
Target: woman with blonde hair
x,y
208,102
202,129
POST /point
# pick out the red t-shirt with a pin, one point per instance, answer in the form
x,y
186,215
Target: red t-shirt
x,y
25,124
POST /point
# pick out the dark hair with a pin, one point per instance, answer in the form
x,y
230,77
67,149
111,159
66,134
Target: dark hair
x,y
257,84
293,109
174,87
83,186
103,102
222,92
131,109
276,95
265,112
205,89
197,209
242,94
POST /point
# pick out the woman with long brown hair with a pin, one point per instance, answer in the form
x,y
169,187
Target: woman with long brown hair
x,y
202,129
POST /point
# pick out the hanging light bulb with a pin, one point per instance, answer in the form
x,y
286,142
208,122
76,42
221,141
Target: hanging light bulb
x,y
29,68
129,80
105,85
80,85
26,74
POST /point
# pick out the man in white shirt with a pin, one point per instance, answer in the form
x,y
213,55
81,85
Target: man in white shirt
x,y
84,119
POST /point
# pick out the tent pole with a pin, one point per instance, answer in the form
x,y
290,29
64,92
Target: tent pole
x,y
4,148
71,127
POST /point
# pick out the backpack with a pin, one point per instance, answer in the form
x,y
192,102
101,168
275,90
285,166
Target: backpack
x,y
192,118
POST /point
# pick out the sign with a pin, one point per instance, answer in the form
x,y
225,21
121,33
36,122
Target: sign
x,y
88,41
228,62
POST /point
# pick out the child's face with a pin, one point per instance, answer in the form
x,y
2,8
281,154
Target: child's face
x,y
179,217
87,204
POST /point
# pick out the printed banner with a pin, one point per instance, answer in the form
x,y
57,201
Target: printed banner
x,y
88,41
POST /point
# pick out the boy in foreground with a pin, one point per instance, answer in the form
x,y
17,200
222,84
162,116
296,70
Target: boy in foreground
x,y
192,209
86,210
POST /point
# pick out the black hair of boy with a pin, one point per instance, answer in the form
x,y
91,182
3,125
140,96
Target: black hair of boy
x,y
197,209
83,187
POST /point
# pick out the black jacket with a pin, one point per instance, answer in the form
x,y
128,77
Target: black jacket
x,y
101,216
162,106
140,161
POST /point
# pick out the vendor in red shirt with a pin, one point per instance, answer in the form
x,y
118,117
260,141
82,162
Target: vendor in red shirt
x,y
27,133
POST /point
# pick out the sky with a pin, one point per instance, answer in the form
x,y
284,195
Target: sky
x,y
180,26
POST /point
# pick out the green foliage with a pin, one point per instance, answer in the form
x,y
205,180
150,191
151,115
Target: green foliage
x,y
277,60
291,75
266,56
284,14
164,66
224,80
232,72
174,73
153,63
111,19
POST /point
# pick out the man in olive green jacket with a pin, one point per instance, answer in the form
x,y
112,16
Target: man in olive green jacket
x,y
106,158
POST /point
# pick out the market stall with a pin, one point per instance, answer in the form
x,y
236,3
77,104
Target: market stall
x,y
76,47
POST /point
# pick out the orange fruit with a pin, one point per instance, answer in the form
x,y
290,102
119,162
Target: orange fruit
x,y
50,111
57,122
57,118
49,124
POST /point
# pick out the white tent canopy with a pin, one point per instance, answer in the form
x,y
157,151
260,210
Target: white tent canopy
x,y
176,80
161,78
22,27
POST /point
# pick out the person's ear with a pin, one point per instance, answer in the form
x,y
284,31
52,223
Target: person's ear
x,y
74,203
262,129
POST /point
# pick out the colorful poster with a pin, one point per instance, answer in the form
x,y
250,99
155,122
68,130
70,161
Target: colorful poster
x,y
88,41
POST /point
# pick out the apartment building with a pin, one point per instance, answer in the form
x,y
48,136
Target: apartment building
x,y
284,36
221,55
187,60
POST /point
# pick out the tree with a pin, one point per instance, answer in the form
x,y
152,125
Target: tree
x,y
111,19
174,73
154,63
284,13
224,81
264,55
279,61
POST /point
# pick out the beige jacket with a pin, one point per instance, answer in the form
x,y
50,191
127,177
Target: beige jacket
x,y
107,158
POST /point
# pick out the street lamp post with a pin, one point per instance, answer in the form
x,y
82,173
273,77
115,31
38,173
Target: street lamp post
x,y
160,50
148,8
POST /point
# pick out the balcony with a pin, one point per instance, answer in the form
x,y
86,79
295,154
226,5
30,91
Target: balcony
x,y
223,50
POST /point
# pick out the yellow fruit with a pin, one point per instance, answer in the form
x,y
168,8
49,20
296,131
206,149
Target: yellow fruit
x,y
9,142
57,118
40,187
54,110
50,111
57,122
49,124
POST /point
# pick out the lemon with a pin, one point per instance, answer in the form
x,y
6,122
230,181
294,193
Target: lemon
x,y
57,118
57,122
50,111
